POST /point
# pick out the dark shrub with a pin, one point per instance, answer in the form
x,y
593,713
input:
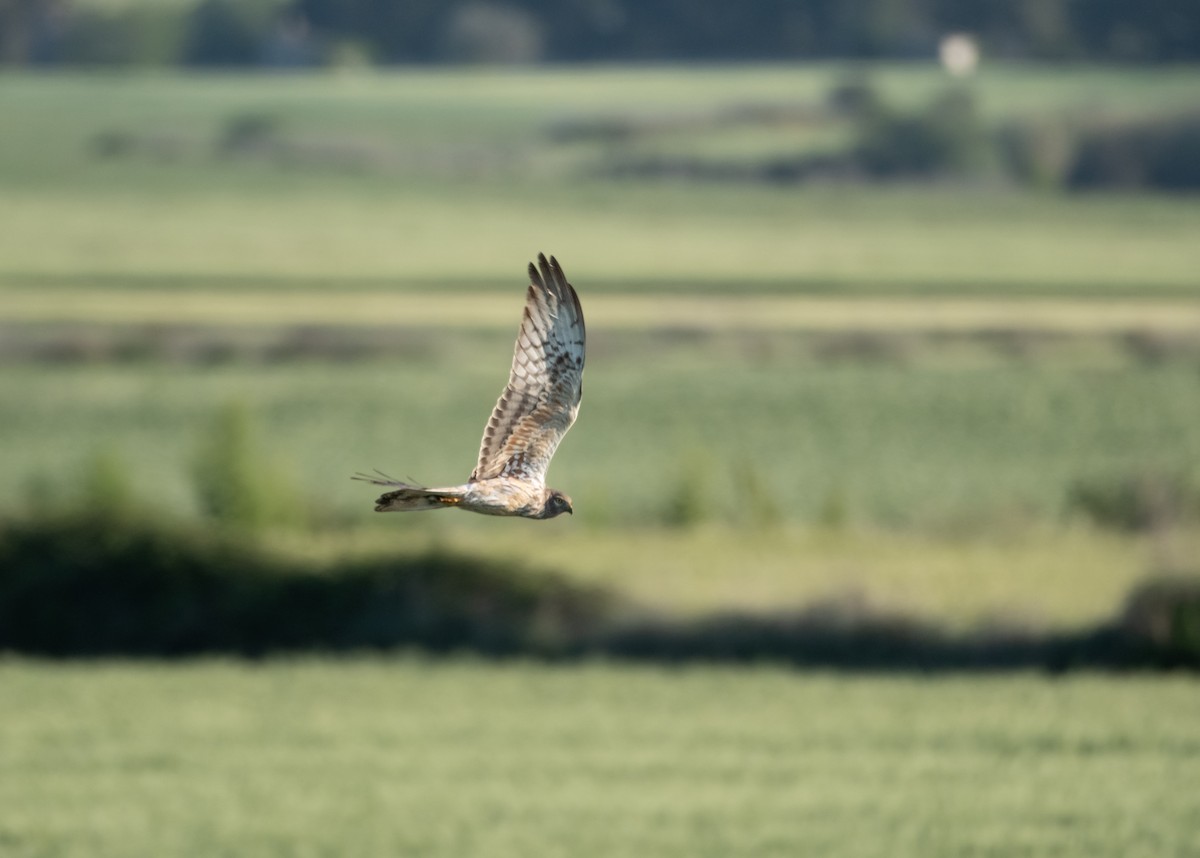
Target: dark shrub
x,y
1134,503
947,139
1156,153
236,482
249,133
95,584
1163,617
1037,152
144,34
228,32
855,97
688,503
112,144
86,584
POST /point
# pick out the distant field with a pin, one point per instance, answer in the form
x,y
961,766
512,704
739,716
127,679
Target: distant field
x,y
975,462
432,118
449,237
935,364
372,757
649,311
1053,579
884,397
444,180
909,446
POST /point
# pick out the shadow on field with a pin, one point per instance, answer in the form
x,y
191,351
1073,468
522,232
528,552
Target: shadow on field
x,y
74,585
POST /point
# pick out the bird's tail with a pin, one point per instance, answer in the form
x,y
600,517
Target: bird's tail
x,y
406,497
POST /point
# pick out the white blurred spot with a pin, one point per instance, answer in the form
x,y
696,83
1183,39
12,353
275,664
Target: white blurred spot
x,y
959,53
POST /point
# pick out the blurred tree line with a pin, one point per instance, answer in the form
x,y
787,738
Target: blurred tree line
x,y
284,33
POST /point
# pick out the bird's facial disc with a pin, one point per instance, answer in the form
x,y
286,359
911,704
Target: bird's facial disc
x,y
558,504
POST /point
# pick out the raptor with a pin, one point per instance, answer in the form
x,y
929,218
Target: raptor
x,y
537,407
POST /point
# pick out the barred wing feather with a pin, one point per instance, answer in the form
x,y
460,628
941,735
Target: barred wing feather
x,y
545,385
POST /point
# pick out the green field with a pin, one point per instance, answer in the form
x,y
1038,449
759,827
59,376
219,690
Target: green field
x,y
347,236
467,182
844,446
970,404
894,390
1012,440
406,757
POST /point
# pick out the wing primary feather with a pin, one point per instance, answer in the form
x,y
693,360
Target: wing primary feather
x,y
534,277
566,292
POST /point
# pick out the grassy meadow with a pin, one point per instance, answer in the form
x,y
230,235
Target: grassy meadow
x,y
974,404
934,370
387,757
981,524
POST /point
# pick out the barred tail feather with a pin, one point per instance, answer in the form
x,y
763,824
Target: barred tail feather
x,y
412,498
407,497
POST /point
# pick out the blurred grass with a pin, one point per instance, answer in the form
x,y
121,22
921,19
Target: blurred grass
x,y
1049,579
469,310
451,236
928,474
423,110
930,369
901,445
406,170
370,757
952,483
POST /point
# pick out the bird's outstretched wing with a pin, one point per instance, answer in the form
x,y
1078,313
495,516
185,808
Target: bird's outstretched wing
x,y
545,385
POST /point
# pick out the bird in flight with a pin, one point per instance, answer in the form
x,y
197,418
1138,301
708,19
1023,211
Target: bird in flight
x,y
534,412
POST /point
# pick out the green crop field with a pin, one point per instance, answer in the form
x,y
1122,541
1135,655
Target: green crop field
x,y
908,385
1011,441
793,443
761,450
972,403
405,757
449,237
448,180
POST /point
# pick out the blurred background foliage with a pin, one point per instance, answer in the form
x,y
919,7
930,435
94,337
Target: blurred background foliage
x,y
882,340
893,372
290,33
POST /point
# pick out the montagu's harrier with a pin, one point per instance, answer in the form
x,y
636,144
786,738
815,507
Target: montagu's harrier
x,y
534,412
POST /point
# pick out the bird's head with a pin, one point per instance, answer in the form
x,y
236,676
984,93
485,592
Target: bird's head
x,y
556,504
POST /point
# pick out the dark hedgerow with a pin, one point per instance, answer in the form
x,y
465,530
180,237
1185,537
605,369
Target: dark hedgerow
x,y
1159,152
95,584
83,585
1163,618
1136,502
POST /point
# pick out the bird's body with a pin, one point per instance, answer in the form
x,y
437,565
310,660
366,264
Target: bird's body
x,y
495,496
534,412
